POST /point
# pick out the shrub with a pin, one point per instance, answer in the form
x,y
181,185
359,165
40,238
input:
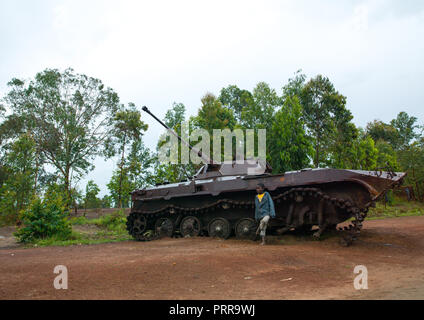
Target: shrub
x,y
8,214
114,222
390,198
44,219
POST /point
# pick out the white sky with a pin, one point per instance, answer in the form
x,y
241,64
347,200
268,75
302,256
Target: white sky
x,y
156,52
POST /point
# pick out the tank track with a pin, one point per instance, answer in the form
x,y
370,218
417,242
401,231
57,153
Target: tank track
x,y
350,233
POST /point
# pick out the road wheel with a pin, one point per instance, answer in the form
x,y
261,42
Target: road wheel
x,y
164,227
246,229
190,227
139,225
219,228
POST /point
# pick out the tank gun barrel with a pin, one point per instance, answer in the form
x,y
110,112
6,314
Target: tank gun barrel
x,y
198,152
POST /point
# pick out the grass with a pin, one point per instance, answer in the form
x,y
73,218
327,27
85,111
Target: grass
x,y
106,229
398,208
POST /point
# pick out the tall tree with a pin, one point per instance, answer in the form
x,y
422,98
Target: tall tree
x,y
140,162
171,172
365,154
127,129
405,126
68,115
236,99
412,161
378,130
342,137
319,100
295,85
17,190
91,191
212,115
290,147
259,113
386,155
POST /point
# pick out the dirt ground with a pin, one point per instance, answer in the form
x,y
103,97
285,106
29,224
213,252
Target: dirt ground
x,y
202,268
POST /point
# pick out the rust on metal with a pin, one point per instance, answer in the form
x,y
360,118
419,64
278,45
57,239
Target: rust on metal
x,y
219,199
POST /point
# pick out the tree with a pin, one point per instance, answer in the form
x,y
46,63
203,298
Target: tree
x,y
68,115
412,161
120,188
258,114
106,202
127,129
170,172
91,191
405,126
294,86
175,116
139,164
319,100
364,153
11,129
17,191
386,155
290,147
212,115
342,137
236,100
378,130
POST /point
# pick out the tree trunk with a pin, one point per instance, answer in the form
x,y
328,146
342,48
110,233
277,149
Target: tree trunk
x,y
68,190
416,186
121,176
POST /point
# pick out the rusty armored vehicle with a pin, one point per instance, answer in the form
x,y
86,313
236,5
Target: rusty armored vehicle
x,y
219,201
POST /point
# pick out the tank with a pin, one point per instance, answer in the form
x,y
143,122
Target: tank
x,y
219,201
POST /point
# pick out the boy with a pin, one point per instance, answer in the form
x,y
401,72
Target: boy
x,y
264,210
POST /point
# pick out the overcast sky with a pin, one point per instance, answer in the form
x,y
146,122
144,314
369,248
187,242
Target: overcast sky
x,y
155,53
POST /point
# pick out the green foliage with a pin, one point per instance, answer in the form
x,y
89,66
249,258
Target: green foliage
x,y
405,126
321,104
169,172
68,116
342,138
365,154
212,115
91,191
106,201
290,147
44,219
175,116
126,133
412,161
380,131
120,187
386,155
18,189
113,222
260,110
236,100
106,229
397,208
294,86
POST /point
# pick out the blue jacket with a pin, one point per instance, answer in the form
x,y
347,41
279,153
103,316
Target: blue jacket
x,y
264,207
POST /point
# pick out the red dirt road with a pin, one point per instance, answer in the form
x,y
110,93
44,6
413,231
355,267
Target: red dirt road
x,y
203,268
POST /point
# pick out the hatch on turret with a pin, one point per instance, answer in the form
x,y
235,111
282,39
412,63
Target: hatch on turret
x,y
248,167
